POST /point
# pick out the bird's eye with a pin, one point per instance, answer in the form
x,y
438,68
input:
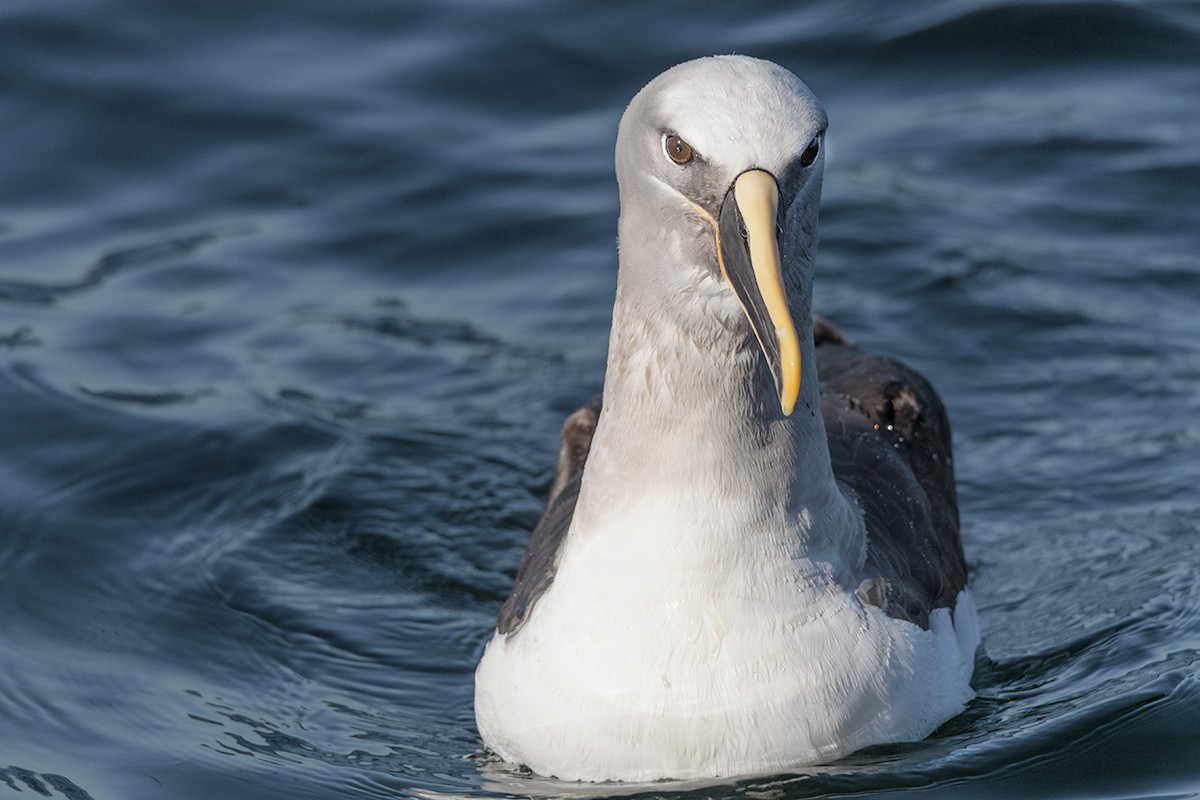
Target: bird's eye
x,y
810,153
677,149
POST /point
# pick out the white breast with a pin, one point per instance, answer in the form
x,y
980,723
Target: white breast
x,y
647,661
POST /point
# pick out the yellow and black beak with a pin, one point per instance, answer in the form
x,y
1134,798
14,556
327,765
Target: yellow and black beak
x,y
749,257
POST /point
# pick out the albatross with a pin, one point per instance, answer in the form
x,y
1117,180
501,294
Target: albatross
x,y
749,560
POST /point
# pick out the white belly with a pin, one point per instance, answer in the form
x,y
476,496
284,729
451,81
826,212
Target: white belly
x,y
629,679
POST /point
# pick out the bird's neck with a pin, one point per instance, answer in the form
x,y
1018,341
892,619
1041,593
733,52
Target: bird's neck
x,y
692,449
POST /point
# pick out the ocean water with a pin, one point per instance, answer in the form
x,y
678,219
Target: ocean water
x,y
294,298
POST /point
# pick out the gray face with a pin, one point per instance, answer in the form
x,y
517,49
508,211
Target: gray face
x,y
736,114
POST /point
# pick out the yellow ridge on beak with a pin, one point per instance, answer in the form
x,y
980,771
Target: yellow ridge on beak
x,y
757,197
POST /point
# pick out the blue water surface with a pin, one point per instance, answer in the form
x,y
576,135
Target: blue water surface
x,y
294,298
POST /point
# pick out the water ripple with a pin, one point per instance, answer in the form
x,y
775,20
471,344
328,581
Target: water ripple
x,y
1037,34
44,784
112,264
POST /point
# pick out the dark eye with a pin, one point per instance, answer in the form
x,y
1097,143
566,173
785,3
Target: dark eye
x,y
677,149
810,153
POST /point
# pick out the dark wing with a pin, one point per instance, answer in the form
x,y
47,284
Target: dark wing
x,y
540,561
889,442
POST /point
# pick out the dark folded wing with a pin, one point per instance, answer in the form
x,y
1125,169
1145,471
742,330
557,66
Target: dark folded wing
x,y
540,561
889,442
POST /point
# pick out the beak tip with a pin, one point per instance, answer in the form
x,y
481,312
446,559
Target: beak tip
x,y
789,370
787,400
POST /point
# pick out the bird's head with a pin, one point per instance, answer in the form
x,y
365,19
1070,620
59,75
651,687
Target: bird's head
x,y
720,160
